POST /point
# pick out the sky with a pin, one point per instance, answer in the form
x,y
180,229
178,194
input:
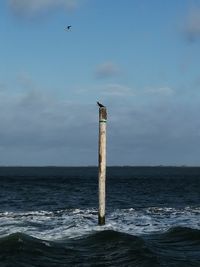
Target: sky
x,y
140,58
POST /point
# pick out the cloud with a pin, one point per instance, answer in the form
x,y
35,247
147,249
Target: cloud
x,y
161,91
39,129
114,90
154,133
31,8
107,70
192,25
117,90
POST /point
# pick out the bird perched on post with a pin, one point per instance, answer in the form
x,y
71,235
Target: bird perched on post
x,y
100,105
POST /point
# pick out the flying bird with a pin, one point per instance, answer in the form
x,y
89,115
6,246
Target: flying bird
x,y
68,28
100,105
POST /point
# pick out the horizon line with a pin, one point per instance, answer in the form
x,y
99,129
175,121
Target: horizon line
x,y
96,166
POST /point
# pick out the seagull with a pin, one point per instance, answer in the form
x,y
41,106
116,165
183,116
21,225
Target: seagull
x,y
100,105
68,28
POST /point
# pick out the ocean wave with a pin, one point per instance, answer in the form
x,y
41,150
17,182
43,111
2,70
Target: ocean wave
x,y
73,223
104,248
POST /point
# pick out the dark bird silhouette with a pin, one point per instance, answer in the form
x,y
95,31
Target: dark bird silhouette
x,y
68,28
100,105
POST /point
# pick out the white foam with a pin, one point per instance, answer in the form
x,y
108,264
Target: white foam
x,y
75,223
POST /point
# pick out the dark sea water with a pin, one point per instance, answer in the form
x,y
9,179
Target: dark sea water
x,y
48,217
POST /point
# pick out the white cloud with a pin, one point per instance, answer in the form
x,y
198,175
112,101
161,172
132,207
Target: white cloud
x,y
34,7
107,70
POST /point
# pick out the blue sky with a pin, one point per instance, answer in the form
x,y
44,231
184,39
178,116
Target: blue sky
x,y
140,58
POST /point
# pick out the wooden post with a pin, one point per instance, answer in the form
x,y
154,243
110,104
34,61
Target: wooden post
x,y
102,164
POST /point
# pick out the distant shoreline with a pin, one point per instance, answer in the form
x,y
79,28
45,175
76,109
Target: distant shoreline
x,y
111,166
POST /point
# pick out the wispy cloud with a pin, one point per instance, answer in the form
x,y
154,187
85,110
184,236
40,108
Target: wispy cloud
x,y
117,90
192,25
161,91
31,8
107,70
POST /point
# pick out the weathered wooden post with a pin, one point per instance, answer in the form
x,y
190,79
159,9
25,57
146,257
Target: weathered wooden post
x,y
102,163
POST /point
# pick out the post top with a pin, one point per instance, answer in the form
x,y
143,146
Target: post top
x,y
102,114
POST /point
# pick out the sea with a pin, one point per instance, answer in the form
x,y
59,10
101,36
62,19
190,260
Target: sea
x,y
49,217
